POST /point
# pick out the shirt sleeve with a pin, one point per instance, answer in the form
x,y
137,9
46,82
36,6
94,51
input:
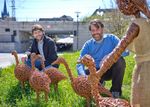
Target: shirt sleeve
x,y
30,47
80,67
52,51
85,50
115,40
125,53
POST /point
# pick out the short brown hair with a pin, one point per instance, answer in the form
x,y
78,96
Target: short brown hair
x,y
37,27
97,23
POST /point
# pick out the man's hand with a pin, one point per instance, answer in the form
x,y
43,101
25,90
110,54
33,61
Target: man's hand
x,y
28,53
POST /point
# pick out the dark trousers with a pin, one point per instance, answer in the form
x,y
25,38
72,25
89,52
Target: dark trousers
x,y
116,74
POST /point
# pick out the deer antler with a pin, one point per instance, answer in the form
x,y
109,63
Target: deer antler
x,y
142,6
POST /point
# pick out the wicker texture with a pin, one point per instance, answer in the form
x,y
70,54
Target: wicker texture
x,y
106,64
39,81
22,71
131,33
81,84
88,61
127,7
55,75
133,7
140,90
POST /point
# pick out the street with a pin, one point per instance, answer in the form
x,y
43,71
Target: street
x,y
6,59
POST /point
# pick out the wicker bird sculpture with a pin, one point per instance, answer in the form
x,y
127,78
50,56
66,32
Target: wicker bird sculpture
x,y
133,7
88,61
80,84
106,64
55,75
39,81
22,71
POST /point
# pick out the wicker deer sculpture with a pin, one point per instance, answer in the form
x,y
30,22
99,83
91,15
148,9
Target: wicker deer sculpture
x,y
22,71
80,84
39,81
106,64
55,75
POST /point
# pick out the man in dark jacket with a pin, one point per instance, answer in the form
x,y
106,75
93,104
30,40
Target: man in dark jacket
x,y
42,45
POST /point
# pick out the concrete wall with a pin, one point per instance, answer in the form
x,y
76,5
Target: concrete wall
x,y
21,39
7,47
84,35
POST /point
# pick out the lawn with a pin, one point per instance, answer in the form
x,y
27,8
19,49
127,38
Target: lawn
x,y
11,94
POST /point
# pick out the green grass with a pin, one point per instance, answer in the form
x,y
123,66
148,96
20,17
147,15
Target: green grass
x,y
11,94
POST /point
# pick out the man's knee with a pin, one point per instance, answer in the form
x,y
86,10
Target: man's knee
x,y
122,62
120,65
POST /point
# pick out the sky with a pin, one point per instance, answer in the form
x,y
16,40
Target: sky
x,y
32,10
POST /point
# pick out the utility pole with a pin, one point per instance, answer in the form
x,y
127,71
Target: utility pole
x,y
77,33
13,9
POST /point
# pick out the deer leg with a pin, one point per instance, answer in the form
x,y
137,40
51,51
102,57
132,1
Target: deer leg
x,y
23,86
56,87
46,96
87,102
37,94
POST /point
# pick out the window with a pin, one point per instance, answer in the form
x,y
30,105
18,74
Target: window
x,y
7,30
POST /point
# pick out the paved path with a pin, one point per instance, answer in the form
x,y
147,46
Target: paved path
x,y
7,59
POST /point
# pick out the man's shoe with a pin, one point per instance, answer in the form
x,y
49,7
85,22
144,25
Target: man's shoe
x,y
103,83
116,94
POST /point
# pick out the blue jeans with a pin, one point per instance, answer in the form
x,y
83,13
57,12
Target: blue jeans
x,y
37,64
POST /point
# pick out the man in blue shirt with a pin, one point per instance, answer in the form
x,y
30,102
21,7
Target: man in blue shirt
x,y
99,46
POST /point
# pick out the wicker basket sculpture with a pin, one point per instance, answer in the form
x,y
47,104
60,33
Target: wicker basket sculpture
x,y
133,7
39,81
22,71
80,84
55,75
106,64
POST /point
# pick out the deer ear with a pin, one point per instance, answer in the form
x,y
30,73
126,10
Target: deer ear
x,y
143,7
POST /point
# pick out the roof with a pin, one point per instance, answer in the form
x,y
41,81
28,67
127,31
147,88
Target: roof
x,y
62,18
103,10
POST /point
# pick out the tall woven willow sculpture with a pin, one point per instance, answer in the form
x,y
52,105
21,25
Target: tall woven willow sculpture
x,y
140,90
